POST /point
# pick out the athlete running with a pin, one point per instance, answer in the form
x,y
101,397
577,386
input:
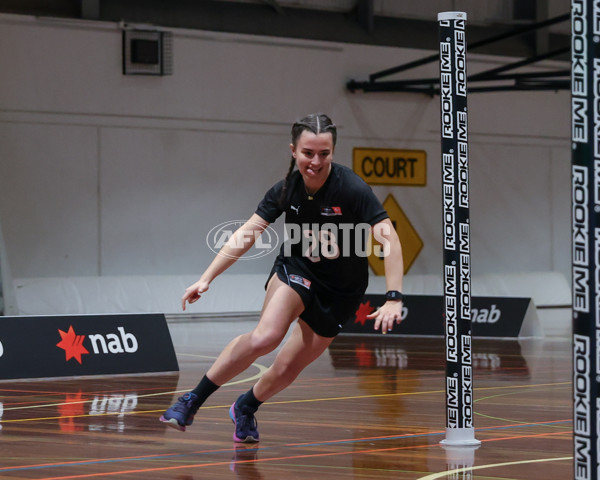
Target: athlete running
x,y
319,276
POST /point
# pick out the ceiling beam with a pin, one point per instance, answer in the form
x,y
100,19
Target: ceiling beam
x,y
274,5
90,9
365,13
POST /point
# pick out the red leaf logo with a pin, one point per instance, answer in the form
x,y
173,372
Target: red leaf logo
x,y
69,411
363,310
72,344
364,355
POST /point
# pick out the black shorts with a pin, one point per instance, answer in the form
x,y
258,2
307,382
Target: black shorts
x,y
323,312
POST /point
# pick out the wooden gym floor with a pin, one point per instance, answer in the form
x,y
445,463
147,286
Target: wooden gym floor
x,y
369,408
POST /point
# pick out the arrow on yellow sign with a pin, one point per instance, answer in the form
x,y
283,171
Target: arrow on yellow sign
x,y
409,238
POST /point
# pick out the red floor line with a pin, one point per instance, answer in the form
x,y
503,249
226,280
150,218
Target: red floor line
x,y
97,460
262,460
549,434
45,392
366,439
332,442
258,460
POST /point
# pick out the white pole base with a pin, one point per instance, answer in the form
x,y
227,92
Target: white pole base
x,y
457,437
460,457
452,16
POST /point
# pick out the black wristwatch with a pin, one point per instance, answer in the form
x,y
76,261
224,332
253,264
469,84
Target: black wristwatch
x,y
394,295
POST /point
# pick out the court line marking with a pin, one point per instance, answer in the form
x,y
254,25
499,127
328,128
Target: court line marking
x,y
283,402
481,399
308,400
431,434
520,422
447,473
291,457
202,452
213,464
288,445
479,414
261,371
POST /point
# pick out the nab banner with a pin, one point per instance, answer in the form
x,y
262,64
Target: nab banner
x,y
76,345
498,317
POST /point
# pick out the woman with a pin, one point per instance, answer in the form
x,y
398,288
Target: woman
x,y
319,276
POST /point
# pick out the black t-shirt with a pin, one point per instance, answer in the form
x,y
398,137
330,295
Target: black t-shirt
x,y
332,228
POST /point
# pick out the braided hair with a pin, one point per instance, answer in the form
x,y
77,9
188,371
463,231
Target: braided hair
x,y
316,123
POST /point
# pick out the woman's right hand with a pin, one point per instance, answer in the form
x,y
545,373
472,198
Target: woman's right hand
x,y
194,292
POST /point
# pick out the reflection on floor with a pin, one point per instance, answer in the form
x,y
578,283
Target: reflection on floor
x,y
369,408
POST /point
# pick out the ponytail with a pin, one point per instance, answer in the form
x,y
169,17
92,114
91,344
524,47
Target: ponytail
x,y
286,182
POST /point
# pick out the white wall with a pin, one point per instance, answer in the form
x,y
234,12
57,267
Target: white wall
x,y
109,175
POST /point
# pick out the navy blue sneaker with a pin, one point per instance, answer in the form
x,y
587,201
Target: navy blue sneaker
x,y
246,428
181,414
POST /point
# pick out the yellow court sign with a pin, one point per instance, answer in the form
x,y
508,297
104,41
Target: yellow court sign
x,y
379,166
409,238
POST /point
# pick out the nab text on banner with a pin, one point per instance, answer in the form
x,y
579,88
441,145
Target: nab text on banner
x,y
82,345
494,317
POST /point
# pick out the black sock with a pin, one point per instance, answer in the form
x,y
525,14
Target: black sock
x,y
248,403
204,390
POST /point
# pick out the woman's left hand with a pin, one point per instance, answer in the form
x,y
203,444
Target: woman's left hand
x,y
386,315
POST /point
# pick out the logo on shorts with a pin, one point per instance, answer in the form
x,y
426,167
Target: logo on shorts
x,y
223,233
300,280
331,211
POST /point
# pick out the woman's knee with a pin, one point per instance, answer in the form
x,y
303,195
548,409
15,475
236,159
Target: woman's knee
x,y
265,341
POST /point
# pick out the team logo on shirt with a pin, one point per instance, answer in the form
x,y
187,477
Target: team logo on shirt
x,y
299,280
331,211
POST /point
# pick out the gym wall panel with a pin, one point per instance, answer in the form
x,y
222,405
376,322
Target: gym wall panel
x,y
511,218
523,117
48,207
108,175
164,190
66,66
59,67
